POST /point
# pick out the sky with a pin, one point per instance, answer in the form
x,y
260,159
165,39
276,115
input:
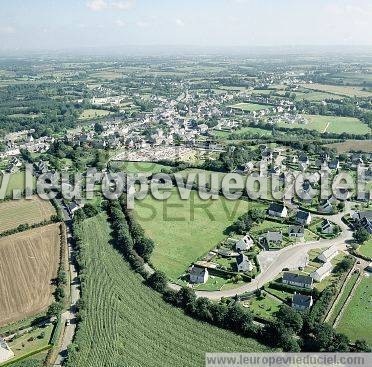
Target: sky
x,y
79,24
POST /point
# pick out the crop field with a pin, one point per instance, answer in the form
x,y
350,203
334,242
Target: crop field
x,y
28,263
252,186
249,106
93,113
312,95
338,89
331,124
245,130
30,211
356,321
349,145
127,323
184,230
16,182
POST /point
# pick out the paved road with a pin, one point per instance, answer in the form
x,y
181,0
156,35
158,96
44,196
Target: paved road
x,y
273,262
70,315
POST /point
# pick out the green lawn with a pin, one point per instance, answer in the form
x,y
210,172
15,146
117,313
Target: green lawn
x,y
345,294
315,96
184,230
283,295
16,181
125,323
356,321
250,107
251,130
220,176
93,113
136,167
33,340
366,249
331,124
263,307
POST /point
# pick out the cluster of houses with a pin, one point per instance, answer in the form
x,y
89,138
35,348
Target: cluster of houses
x,y
199,273
301,301
24,140
364,220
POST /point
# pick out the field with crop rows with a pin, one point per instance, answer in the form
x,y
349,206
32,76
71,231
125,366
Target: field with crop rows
x,y
128,324
30,211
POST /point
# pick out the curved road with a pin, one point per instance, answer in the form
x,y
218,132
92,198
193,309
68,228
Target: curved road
x,y
273,262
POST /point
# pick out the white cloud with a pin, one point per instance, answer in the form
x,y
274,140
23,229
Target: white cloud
x,y
143,24
123,5
120,23
7,30
99,5
179,22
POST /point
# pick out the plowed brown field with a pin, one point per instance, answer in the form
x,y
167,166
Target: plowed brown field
x,y
31,211
28,263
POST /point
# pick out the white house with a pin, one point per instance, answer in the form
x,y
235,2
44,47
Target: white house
x,y
198,274
244,243
321,273
327,227
277,210
243,263
328,254
303,218
5,352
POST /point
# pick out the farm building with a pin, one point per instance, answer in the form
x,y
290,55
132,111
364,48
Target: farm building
x,y
243,263
5,352
297,280
301,302
277,210
321,273
198,275
328,254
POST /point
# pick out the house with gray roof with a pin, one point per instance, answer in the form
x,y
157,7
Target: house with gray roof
x,y
277,210
274,237
296,231
297,280
198,275
243,263
303,217
301,302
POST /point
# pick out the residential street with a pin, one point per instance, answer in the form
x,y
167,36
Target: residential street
x,y
288,257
